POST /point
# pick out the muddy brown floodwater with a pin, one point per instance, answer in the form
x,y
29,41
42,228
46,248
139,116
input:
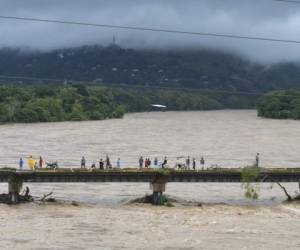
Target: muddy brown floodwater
x,y
105,220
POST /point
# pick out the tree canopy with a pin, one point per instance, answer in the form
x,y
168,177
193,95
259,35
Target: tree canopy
x,y
280,105
49,103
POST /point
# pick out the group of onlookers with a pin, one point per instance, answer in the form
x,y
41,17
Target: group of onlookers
x,y
32,163
187,164
103,164
147,163
180,165
106,163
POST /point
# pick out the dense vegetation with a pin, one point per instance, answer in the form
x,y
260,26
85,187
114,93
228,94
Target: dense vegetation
x,y
202,69
44,103
280,105
31,100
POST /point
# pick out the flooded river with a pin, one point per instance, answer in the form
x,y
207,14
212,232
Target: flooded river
x,y
105,220
227,138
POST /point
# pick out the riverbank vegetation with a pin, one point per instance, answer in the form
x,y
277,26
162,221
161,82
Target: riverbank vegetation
x,y
280,105
78,102
211,80
49,104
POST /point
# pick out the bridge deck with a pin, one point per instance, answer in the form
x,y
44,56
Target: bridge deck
x,y
146,175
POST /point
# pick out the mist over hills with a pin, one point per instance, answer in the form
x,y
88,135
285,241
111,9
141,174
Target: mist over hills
x,y
203,69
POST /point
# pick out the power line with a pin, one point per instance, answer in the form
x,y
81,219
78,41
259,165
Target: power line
x,y
114,85
268,39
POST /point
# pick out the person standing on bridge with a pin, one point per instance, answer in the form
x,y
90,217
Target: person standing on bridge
x,y
41,162
101,164
202,162
188,162
165,162
82,163
147,163
257,160
155,162
31,163
141,162
21,162
107,161
194,164
119,163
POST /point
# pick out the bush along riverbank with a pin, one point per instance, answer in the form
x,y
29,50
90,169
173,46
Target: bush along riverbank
x,y
280,105
77,102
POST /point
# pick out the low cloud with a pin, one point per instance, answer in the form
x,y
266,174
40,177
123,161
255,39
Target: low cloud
x,y
260,18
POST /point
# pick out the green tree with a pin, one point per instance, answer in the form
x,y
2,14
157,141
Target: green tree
x,y
77,113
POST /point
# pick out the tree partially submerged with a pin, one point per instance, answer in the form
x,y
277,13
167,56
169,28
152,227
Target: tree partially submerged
x,y
252,176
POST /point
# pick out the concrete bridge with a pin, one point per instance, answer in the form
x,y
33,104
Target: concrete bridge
x,y
156,178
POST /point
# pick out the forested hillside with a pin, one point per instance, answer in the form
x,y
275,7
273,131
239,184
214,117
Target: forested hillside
x,y
192,69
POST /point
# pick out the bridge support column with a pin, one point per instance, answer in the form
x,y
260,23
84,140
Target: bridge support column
x,y
158,188
14,188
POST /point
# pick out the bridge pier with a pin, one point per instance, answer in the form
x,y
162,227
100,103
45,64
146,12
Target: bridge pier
x,y
158,187
14,188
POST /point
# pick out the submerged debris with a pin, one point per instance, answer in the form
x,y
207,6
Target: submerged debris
x,y
25,197
167,201
148,199
74,203
50,200
295,199
6,199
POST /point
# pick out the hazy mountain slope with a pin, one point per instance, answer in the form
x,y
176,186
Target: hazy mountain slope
x,y
195,69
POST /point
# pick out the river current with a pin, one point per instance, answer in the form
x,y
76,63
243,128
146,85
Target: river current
x,y
105,220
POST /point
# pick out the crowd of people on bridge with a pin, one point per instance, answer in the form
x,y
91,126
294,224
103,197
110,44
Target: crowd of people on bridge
x,y
146,162
182,163
102,163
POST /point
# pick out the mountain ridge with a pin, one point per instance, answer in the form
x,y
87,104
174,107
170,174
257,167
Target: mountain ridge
x,y
200,69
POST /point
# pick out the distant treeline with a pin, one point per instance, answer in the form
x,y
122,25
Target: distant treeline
x,y
280,105
44,103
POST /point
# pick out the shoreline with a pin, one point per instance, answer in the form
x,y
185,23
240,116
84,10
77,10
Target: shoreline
x,y
133,113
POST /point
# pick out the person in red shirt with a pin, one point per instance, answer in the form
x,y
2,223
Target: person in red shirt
x,y
41,162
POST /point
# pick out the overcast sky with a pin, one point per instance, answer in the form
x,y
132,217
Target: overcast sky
x,y
265,18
